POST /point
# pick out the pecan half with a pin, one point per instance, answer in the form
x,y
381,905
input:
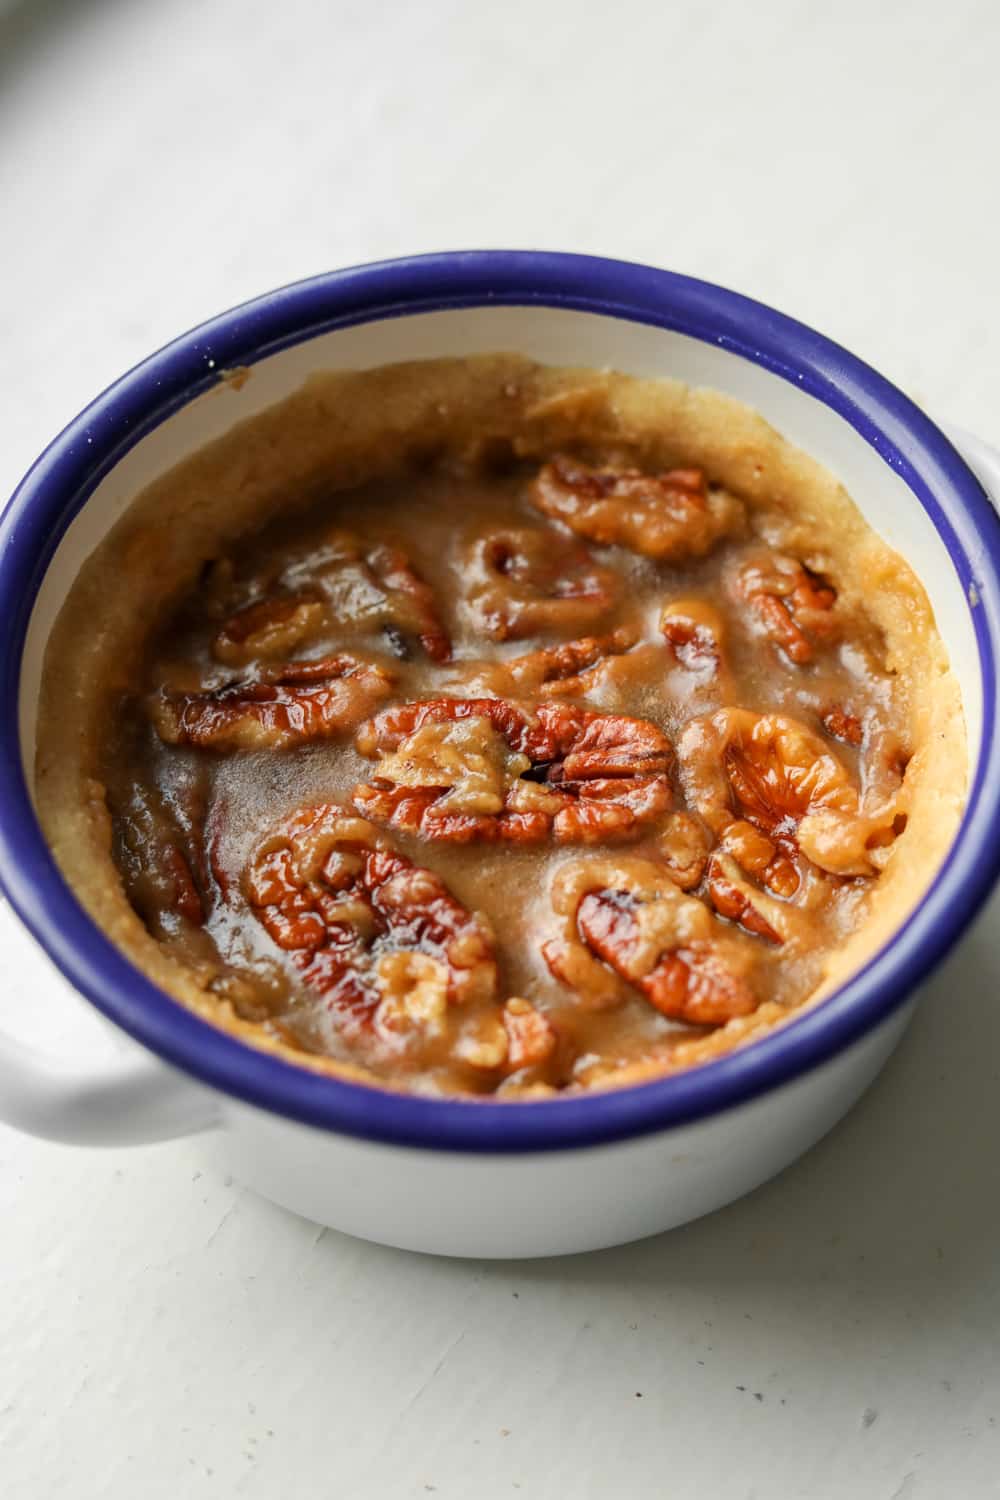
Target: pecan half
x,y
685,845
507,1039
770,772
528,579
667,516
794,606
410,600
281,707
481,768
153,852
371,588
568,669
381,939
627,927
531,1037
268,628
694,632
736,901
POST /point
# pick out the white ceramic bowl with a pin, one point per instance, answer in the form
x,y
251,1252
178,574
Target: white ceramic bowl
x,y
461,1178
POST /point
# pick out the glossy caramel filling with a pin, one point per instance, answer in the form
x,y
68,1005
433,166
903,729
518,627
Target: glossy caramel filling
x,y
506,776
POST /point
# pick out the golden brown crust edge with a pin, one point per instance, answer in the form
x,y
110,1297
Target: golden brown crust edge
x,y
341,429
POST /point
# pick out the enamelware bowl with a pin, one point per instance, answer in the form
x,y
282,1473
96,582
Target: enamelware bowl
x,y
461,1178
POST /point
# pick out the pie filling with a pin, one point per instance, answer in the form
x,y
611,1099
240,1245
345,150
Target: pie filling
x,y
560,751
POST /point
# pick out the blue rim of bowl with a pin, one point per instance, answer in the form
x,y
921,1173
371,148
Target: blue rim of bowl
x,y
70,468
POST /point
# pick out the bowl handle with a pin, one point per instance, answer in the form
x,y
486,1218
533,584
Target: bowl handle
x,y
116,1094
131,1100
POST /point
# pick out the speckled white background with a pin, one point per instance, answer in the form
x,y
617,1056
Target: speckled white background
x,y
834,1336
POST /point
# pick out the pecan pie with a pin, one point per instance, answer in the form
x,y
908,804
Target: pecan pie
x,y
482,729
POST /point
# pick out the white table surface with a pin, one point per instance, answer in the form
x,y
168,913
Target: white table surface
x,y
163,1333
